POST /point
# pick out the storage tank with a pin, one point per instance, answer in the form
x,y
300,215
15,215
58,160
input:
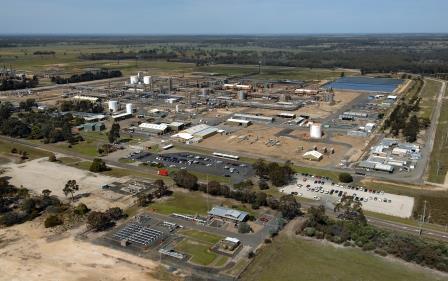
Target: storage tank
x,y
147,80
316,131
129,108
242,95
113,105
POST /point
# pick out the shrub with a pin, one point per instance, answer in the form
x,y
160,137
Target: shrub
x,y
81,209
244,228
251,255
369,246
267,241
309,231
14,150
263,185
98,166
381,252
52,221
52,158
347,244
345,177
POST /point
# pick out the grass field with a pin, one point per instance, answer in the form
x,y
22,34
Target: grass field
x,y
200,253
201,236
428,95
291,259
438,164
5,148
194,203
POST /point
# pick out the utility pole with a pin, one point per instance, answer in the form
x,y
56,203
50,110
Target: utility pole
x,y
423,219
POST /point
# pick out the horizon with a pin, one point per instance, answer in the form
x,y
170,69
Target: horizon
x,y
213,17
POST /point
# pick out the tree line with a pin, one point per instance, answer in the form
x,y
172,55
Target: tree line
x,y
17,83
286,204
87,76
352,229
81,106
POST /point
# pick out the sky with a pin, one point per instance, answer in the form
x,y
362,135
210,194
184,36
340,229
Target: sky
x,y
222,16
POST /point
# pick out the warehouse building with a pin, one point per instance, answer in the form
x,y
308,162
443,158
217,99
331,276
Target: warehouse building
x,y
253,118
158,129
92,127
228,214
239,122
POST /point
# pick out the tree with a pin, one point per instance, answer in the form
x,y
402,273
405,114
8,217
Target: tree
x,y
244,227
116,213
114,133
46,192
70,188
52,221
144,199
345,177
99,221
350,209
289,207
263,185
98,165
184,179
81,209
161,189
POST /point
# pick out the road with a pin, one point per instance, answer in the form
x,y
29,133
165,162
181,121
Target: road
x,y
439,235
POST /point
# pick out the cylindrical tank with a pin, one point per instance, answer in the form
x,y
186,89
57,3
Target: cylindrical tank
x,y
242,95
147,80
129,108
113,105
316,131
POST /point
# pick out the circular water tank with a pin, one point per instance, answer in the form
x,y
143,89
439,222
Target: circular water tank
x,y
316,131
129,108
113,105
134,79
147,80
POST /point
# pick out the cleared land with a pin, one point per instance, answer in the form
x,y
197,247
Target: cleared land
x,y
438,164
252,140
429,95
26,253
291,258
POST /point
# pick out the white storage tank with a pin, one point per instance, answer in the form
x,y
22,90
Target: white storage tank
x,y
134,79
113,106
129,109
316,131
147,80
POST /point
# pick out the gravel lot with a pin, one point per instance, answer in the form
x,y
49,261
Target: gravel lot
x,y
321,190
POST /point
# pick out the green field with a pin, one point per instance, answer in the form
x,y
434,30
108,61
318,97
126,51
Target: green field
x,y
201,236
292,259
5,148
429,95
438,164
194,203
200,253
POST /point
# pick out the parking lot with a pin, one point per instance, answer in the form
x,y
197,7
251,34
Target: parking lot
x,y
234,170
326,191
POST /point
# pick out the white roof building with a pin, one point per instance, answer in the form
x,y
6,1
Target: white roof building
x,y
155,127
313,155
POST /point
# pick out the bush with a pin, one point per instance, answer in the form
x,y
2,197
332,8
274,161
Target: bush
x,y
81,209
263,185
14,150
309,231
381,252
267,241
98,166
52,158
369,246
251,255
244,228
347,244
345,177
52,221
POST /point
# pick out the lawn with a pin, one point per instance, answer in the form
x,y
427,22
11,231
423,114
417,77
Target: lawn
x,y
200,253
438,164
296,259
201,236
5,148
428,95
194,203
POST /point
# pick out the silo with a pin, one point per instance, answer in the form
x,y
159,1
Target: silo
x,y
316,131
147,80
113,105
134,79
241,95
129,108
